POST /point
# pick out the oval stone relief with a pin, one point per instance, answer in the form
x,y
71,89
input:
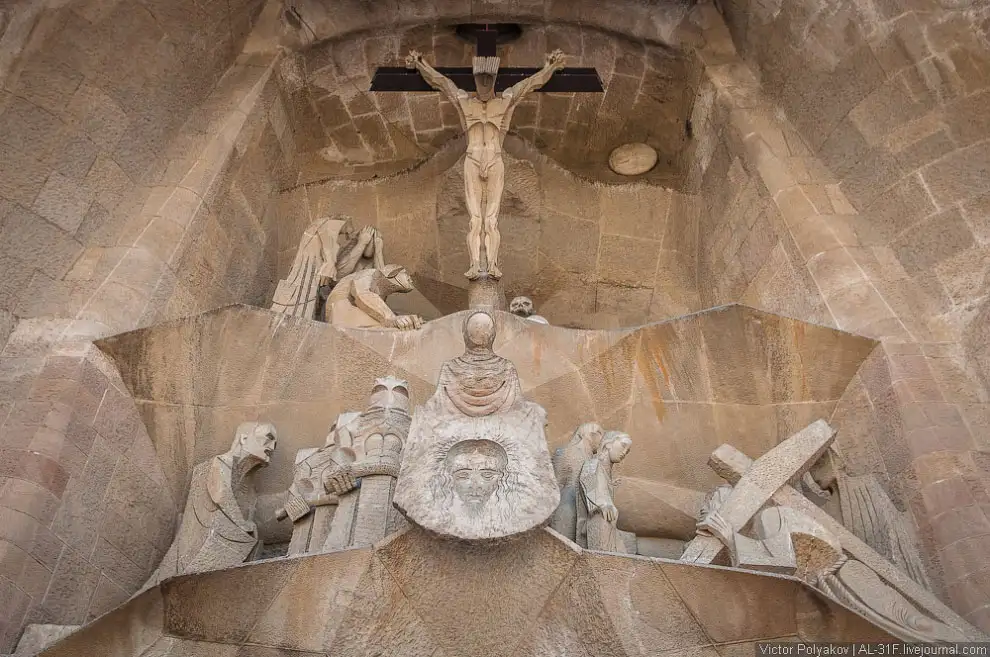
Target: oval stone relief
x,y
632,159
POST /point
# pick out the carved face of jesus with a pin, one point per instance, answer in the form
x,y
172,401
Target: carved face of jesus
x,y
521,306
477,468
485,85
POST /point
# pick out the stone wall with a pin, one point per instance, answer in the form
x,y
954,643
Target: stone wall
x,y
745,252
590,255
883,220
137,151
893,100
341,129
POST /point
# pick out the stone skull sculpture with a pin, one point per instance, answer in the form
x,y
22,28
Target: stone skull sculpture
x,y
521,306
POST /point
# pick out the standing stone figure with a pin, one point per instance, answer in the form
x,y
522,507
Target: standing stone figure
x,y
319,479
329,250
358,300
598,521
376,437
523,307
567,463
218,528
485,116
341,495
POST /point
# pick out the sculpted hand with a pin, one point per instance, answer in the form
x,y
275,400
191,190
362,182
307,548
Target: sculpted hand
x,y
556,59
249,527
715,525
367,233
340,482
610,513
414,59
406,322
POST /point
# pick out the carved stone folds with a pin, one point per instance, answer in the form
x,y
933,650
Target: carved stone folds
x,y
330,249
477,465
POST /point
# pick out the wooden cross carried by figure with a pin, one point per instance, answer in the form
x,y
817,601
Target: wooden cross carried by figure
x,y
399,78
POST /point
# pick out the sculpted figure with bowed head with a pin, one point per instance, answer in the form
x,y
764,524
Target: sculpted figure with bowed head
x,y
358,300
218,528
523,307
598,494
567,463
485,116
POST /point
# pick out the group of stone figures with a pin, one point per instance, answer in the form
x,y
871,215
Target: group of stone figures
x,y
339,276
472,464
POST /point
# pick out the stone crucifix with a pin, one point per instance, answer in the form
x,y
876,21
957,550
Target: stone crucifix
x,y
485,109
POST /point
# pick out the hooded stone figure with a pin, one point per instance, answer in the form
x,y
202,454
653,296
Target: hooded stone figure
x,y
479,382
567,463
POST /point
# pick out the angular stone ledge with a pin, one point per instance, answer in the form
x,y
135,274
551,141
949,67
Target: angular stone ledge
x,y
415,595
681,388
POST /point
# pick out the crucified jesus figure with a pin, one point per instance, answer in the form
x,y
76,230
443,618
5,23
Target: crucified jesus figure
x,y
485,117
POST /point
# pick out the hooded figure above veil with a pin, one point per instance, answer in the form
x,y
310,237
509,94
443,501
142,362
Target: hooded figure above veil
x,y
479,382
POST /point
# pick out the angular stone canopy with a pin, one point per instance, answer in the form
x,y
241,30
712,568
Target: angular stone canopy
x,y
822,160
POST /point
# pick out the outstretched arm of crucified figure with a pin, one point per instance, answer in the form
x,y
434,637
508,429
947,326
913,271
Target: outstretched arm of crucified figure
x,y
433,77
555,61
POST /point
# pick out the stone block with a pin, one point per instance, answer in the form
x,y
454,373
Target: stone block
x,y
964,558
959,175
966,119
73,584
897,209
579,254
932,241
627,261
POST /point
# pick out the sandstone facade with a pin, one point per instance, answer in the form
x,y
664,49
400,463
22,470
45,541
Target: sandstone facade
x,y
824,164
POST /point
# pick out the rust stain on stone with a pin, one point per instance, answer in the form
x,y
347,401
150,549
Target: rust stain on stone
x,y
649,375
537,353
799,340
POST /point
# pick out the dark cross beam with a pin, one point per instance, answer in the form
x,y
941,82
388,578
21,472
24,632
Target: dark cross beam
x,y
399,78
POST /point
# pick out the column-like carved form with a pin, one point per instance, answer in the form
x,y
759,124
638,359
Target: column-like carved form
x,y
342,493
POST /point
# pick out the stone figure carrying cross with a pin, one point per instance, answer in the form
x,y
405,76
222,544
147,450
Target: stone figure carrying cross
x,y
485,117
